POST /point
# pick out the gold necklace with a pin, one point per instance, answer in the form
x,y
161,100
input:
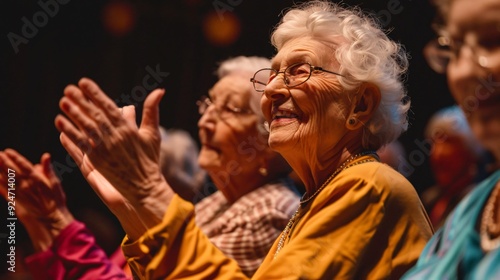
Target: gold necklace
x,y
488,226
303,201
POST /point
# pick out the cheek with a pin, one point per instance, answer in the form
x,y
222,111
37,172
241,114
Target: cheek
x,y
323,98
487,128
265,107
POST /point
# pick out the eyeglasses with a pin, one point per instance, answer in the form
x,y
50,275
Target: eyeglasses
x,y
294,75
443,50
224,112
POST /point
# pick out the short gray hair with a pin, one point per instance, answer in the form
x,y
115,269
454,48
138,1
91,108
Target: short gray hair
x,y
451,122
246,66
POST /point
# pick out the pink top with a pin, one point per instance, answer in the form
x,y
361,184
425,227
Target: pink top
x,y
75,255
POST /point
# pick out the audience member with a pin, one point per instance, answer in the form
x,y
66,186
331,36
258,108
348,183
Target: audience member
x,y
467,246
455,158
255,197
331,99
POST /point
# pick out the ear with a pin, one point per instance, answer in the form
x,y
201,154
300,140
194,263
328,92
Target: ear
x,y
365,104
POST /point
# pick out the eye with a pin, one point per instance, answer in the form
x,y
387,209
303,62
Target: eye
x,y
299,69
490,42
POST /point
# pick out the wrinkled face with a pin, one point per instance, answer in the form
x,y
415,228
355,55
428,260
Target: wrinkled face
x,y
310,117
476,88
230,141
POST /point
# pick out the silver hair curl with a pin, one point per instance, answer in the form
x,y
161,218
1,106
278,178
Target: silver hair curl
x,y
365,54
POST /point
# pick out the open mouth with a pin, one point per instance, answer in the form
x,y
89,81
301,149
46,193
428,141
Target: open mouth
x,y
284,114
209,147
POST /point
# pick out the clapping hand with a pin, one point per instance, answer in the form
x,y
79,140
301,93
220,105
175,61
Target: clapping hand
x,y
108,146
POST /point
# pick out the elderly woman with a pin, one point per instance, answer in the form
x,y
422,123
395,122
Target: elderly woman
x,y
332,96
255,197
468,244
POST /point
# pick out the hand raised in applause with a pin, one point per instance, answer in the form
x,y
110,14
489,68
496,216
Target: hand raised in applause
x,y
100,138
118,204
40,202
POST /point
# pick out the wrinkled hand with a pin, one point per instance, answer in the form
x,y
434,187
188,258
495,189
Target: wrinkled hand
x,y
118,204
40,203
126,156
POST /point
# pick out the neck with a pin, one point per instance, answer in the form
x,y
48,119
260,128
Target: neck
x,y
314,162
351,161
324,177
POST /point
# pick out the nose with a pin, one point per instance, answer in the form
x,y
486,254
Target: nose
x,y
208,118
464,70
466,60
276,88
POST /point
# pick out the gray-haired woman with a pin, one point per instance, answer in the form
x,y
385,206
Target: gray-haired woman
x,y
332,97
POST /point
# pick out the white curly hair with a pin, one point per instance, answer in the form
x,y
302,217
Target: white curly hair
x,y
365,54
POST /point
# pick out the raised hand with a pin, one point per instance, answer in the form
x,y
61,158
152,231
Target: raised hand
x,y
118,204
40,203
100,138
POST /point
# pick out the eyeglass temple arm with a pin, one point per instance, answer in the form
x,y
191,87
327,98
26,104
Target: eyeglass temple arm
x,y
258,82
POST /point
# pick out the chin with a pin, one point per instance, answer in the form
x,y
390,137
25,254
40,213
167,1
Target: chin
x,y
205,161
278,144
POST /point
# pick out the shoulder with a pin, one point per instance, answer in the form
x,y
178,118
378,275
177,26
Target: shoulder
x,y
377,177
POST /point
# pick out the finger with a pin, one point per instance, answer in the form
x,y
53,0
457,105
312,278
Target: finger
x,y
47,170
54,181
98,97
74,151
37,176
92,129
3,171
73,134
22,165
151,112
94,113
128,113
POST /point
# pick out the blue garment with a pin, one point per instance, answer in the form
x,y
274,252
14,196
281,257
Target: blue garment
x,y
454,252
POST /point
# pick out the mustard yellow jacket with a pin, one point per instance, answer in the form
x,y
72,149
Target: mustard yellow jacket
x,y
368,223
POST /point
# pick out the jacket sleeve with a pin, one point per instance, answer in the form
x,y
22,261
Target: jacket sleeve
x,y
177,249
74,255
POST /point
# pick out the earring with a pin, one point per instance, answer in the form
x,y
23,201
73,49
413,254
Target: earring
x,y
352,121
263,171
266,126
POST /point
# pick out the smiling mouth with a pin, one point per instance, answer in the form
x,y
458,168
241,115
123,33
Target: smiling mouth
x,y
284,115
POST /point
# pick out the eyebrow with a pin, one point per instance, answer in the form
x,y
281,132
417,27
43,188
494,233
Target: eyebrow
x,y
295,56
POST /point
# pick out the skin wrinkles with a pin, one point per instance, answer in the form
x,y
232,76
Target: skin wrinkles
x,y
318,103
220,136
221,139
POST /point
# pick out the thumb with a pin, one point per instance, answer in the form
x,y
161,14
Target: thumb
x,y
151,112
47,169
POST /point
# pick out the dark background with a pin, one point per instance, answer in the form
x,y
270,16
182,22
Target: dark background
x,y
79,40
